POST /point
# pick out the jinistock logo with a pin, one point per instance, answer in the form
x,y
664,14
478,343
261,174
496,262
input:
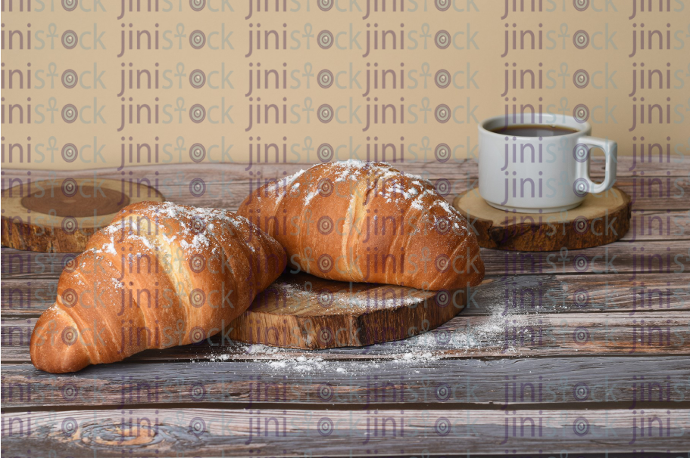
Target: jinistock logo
x,y
549,6
517,39
193,6
395,7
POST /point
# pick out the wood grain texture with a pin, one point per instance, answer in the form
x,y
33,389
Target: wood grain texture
x,y
626,167
669,257
615,258
230,195
303,311
664,186
507,336
203,432
599,220
558,293
658,225
557,382
60,215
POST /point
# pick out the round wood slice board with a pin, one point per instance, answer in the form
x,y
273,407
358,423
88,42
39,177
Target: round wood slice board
x,y
60,215
303,311
600,219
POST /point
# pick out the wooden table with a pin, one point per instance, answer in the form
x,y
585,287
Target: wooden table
x,y
557,354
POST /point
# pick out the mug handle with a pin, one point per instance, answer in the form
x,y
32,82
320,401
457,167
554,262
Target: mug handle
x,y
583,183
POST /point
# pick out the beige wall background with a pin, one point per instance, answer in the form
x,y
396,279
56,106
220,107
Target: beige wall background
x,y
465,38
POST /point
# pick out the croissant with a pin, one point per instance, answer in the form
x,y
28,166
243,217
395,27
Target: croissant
x,y
159,275
367,222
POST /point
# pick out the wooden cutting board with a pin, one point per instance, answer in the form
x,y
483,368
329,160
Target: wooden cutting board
x,y
59,215
600,219
303,311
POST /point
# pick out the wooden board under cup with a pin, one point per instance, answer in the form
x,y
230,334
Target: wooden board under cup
x,y
600,219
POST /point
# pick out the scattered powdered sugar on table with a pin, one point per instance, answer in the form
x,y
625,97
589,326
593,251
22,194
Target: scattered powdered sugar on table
x,y
410,357
279,358
491,331
299,364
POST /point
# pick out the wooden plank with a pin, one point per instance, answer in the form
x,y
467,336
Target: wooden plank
x,y
657,193
281,432
499,335
26,297
229,172
575,383
667,257
649,257
626,167
670,195
558,293
227,186
651,225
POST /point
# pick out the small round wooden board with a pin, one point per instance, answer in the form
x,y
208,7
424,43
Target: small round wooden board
x,y
600,219
303,311
59,215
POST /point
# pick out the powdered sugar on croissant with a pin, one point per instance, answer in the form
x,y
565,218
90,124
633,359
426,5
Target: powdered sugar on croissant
x,y
159,275
368,222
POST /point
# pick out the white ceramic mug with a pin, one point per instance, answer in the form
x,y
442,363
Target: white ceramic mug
x,y
540,174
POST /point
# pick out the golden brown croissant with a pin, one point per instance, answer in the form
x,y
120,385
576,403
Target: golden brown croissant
x,y
368,222
159,275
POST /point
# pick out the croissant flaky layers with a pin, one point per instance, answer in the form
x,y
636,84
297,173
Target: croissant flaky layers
x,y
159,275
368,222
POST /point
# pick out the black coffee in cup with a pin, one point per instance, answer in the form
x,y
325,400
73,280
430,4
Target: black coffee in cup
x,y
533,130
